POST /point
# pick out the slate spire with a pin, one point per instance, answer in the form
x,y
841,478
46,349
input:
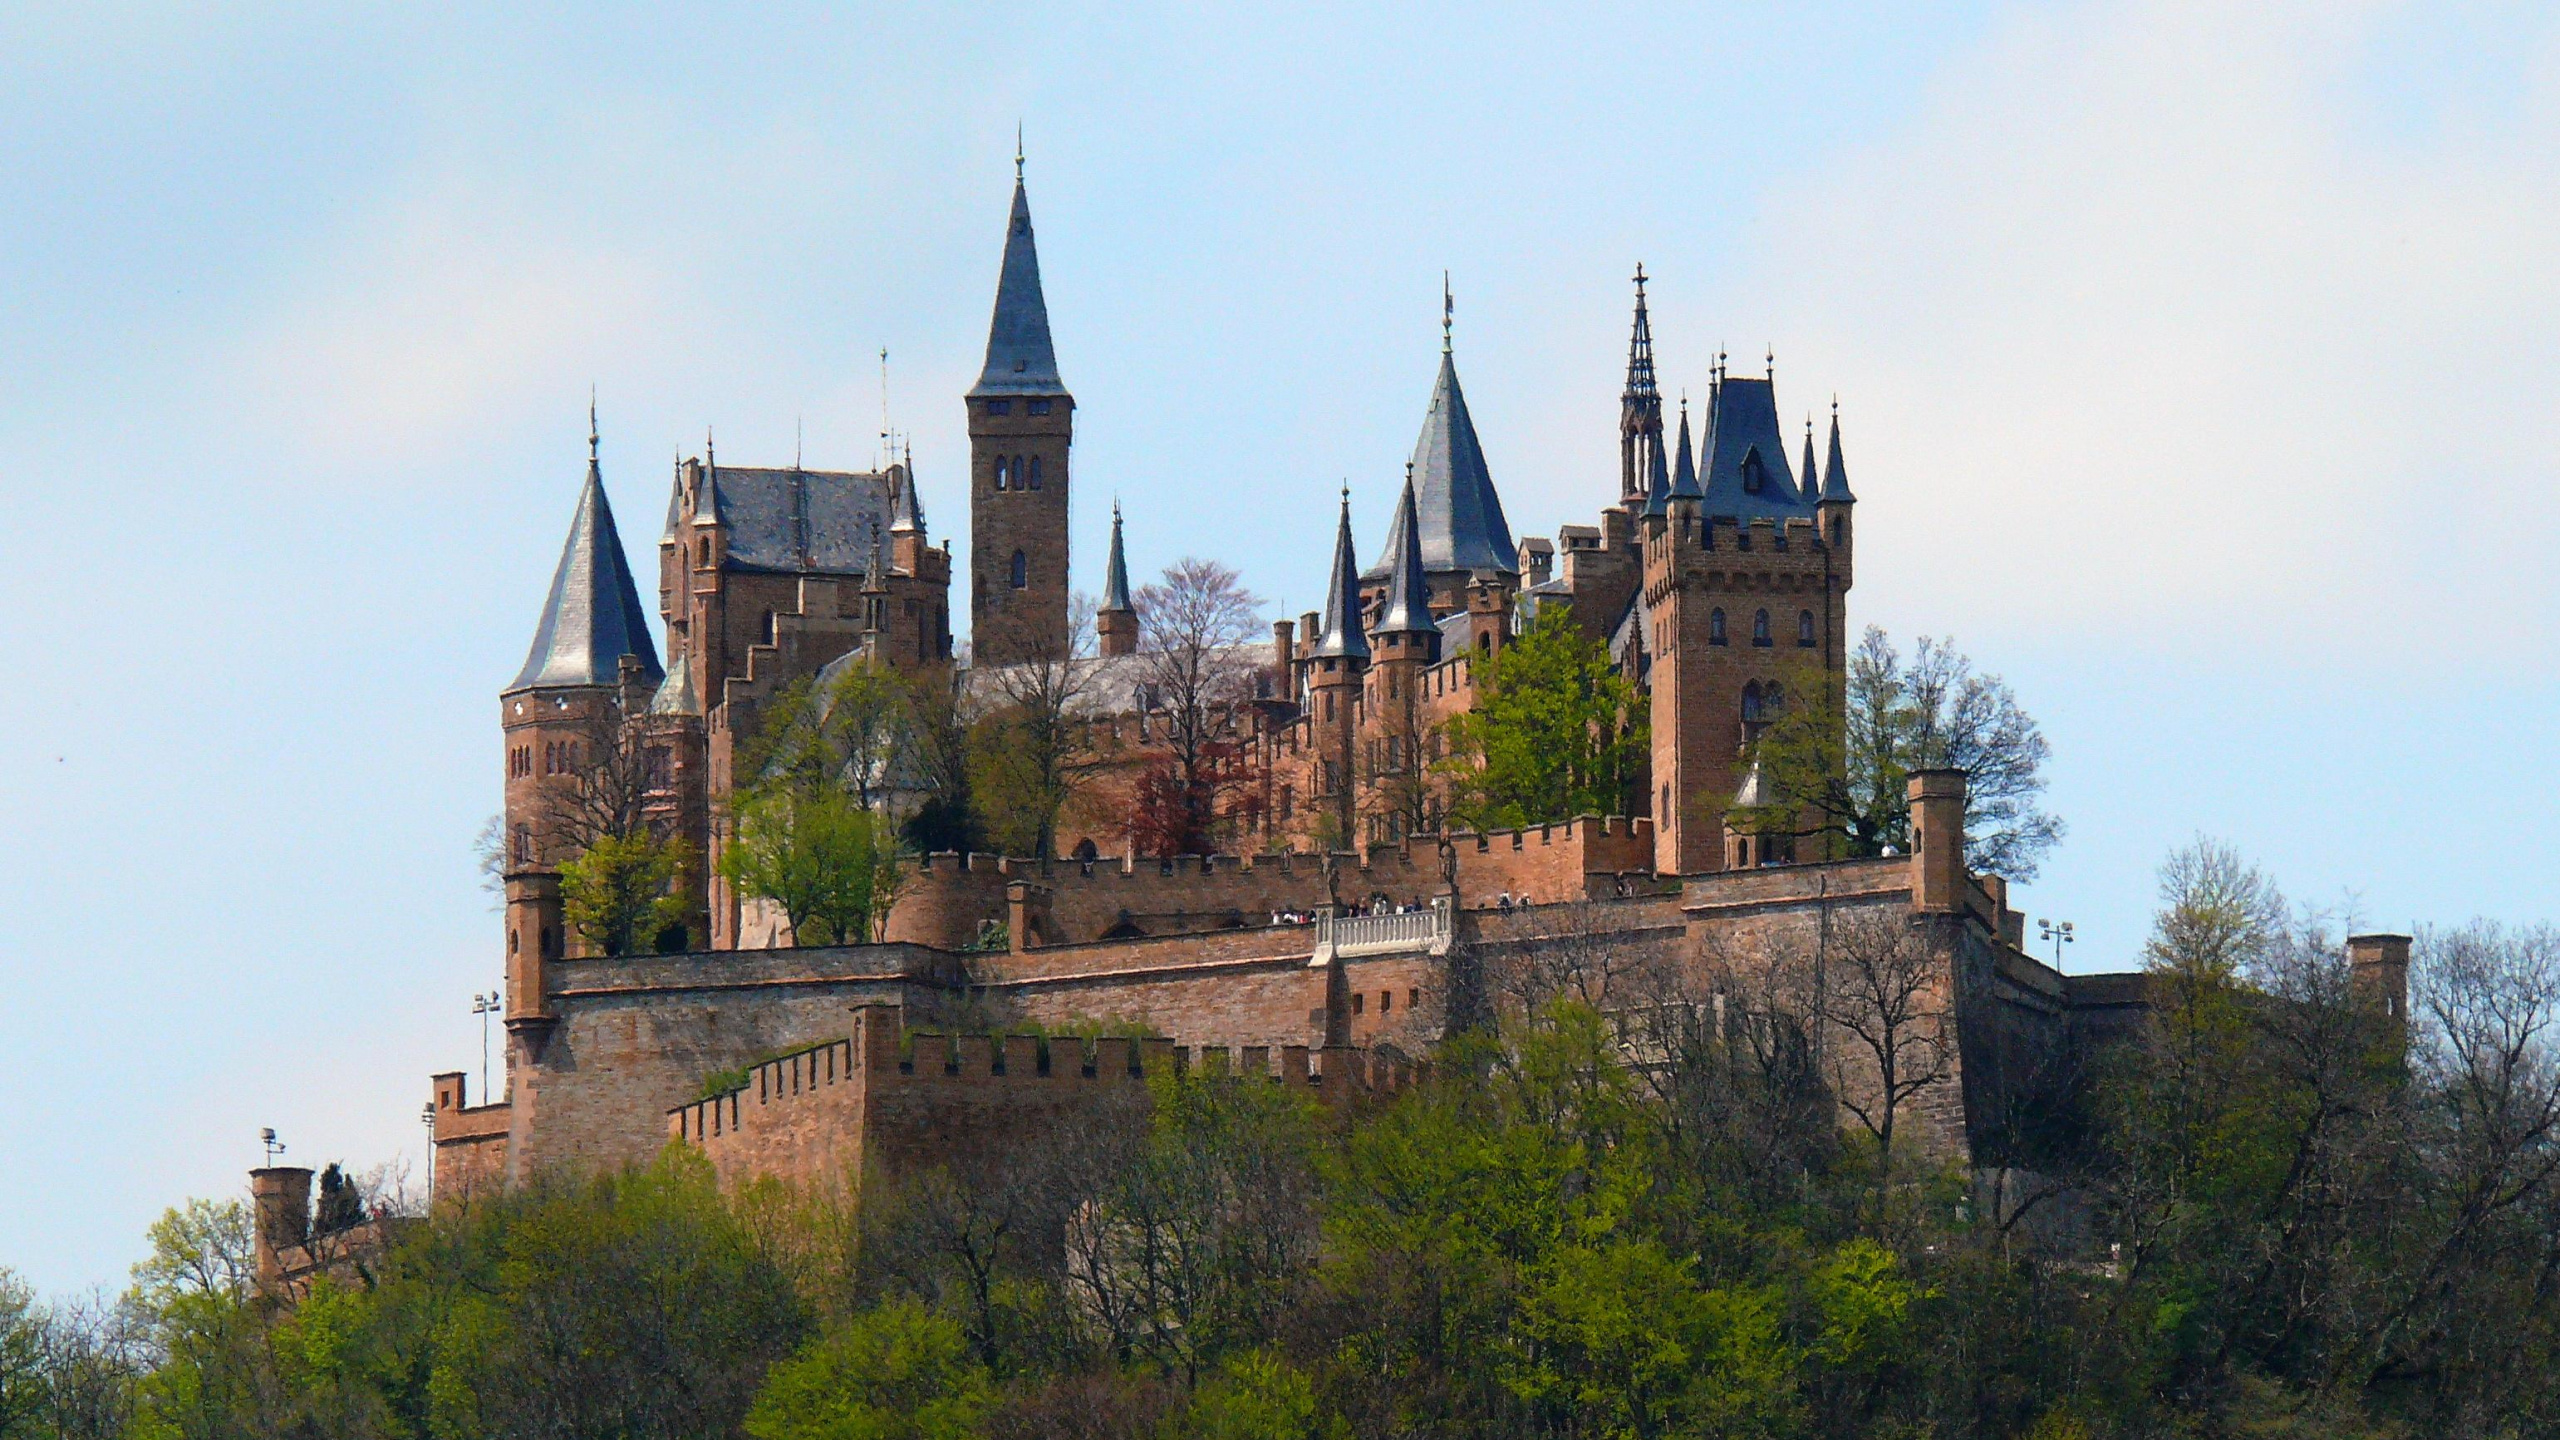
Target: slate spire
x,y
1115,575
1342,639
1020,360
1406,608
1808,472
1684,474
1640,459
1835,476
593,616
1462,525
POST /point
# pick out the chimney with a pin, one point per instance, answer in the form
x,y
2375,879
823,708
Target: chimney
x,y
1937,841
1284,656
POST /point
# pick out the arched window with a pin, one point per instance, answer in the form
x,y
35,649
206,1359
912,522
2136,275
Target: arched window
x,y
1000,475
1035,472
524,844
702,552
1017,474
1715,626
1839,528
1085,850
1751,703
1021,571
1760,628
1804,629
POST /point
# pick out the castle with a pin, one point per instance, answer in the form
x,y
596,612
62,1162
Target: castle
x,y
1716,569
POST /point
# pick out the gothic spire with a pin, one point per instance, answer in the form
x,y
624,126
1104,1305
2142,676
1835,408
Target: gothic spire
x,y
1640,458
1406,609
1115,575
592,617
1342,639
1019,358
1835,476
1810,474
1684,476
906,516
1463,528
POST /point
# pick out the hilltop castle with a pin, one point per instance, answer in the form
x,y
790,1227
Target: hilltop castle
x,y
1715,569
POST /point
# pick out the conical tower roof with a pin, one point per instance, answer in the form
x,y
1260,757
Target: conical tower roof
x,y
1407,607
593,616
1835,476
1115,574
1462,526
1684,476
1020,360
1342,639
1743,436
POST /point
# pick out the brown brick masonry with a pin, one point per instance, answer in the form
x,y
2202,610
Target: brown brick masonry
x,y
835,1110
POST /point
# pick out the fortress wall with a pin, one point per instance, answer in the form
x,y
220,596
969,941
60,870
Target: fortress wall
x,y
1401,1000
1227,987
470,1141
949,896
832,1112
635,1036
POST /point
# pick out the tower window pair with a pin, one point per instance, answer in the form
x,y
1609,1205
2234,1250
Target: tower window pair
x,y
1040,407
1017,474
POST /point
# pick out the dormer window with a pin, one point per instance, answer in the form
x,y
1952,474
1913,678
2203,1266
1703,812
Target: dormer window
x,y
1754,474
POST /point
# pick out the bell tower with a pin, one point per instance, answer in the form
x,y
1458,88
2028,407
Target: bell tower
x,y
1021,426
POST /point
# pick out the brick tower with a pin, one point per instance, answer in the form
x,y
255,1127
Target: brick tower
x,y
1404,641
1021,423
1336,664
1115,623
592,663
1743,586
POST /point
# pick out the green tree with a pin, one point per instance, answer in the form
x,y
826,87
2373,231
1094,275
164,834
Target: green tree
x,y
831,865
899,1372
852,728
1556,732
1841,753
620,893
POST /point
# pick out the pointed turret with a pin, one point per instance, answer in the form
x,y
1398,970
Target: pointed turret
x,y
676,697
1406,607
1807,470
1835,476
1640,461
1019,358
593,616
1462,525
1342,638
1115,623
906,515
1684,474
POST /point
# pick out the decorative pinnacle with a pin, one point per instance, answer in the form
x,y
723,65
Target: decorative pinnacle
x,y
1448,311
1772,362
591,423
1639,279
1017,152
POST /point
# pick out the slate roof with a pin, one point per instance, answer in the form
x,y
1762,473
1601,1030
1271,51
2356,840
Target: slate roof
x,y
593,616
1406,608
1341,637
799,521
1835,479
1742,427
1463,529
1115,575
1020,360
1684,478
676,696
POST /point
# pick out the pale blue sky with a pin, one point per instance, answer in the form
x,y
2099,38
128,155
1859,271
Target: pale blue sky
x,y
2194,360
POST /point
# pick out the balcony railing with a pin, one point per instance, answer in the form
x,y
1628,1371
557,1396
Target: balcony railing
x,y
1413,932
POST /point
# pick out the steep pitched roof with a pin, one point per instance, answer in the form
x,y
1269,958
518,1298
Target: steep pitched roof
x,y
1460,515
799,521
1743,435
1406,609
1835,478
1341,639
1115,574
1684,478
906,510
676,696
1020,360
593,616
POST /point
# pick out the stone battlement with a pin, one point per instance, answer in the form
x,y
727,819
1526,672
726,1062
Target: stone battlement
x,y
887,1098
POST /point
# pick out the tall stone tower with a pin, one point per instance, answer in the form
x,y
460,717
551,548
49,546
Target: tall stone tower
x,y
592,663
1337,664
1021,424
1746,583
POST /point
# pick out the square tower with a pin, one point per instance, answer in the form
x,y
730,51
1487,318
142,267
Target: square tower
x,y
1021,426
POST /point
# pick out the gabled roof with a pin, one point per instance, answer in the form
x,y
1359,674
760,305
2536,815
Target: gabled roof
x,y
593,616
797,522
1019,358
1462,526
1341,638
1406,608
1115,574
1742,432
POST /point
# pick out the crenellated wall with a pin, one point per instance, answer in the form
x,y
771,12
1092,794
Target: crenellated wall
x,y
880,1101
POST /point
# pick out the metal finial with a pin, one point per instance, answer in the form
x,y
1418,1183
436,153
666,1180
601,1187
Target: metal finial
x,y
1017,152
710,457
1639,280
1772,362
1346,495
1448,311
591,423
1835,404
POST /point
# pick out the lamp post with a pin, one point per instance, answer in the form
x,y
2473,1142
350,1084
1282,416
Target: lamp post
x,y
274,1146
427,1117
485,1006
2058,932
